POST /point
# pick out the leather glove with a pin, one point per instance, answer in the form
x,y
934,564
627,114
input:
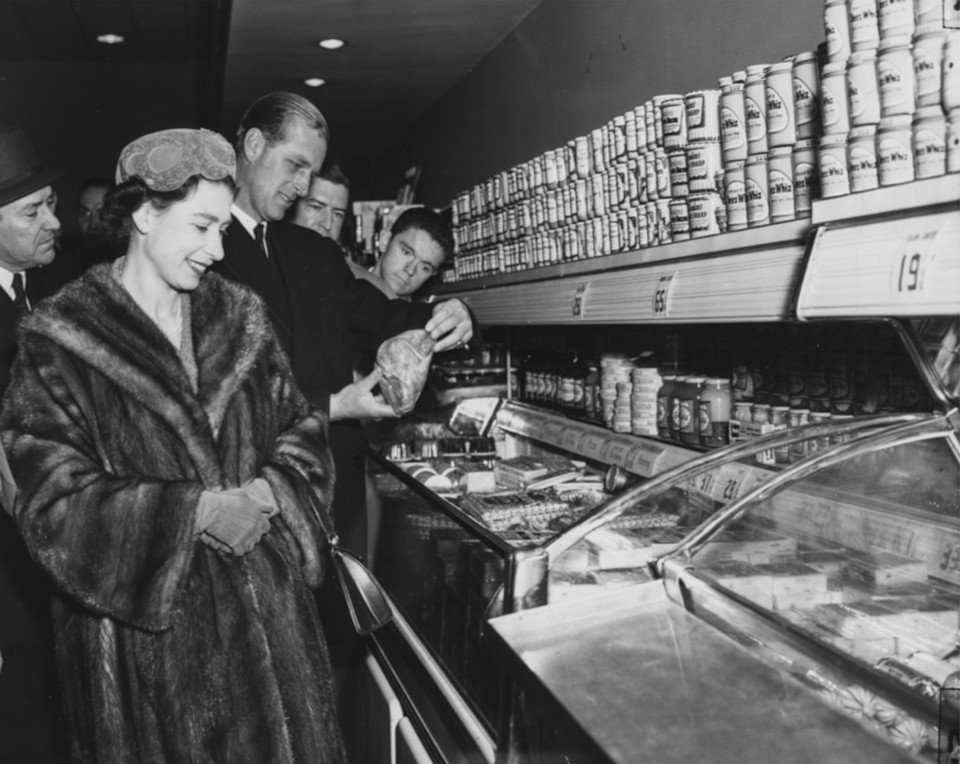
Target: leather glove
x,y
234,521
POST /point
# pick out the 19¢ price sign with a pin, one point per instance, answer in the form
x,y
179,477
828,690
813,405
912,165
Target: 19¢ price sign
x,y
910,262
661,295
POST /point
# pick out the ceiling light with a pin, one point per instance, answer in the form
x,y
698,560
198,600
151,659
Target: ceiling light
x,y
314,82
332,43
110,39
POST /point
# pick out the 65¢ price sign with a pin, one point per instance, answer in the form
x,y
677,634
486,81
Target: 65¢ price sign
x,y
662,292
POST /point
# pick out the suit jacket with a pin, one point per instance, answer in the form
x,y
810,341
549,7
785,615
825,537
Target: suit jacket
x,y
319,312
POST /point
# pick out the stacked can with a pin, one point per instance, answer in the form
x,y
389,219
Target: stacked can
x,y
877,105
615,389
645,383
704,160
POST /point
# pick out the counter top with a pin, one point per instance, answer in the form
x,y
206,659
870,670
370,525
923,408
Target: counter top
x,y
649,682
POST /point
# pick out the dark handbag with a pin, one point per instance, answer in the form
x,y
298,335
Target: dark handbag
x,y
366,601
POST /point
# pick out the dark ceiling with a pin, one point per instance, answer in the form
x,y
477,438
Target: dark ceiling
x,y
201,62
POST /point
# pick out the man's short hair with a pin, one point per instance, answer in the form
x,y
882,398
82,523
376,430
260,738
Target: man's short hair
x,y
333,173
272,113
430,222
95,182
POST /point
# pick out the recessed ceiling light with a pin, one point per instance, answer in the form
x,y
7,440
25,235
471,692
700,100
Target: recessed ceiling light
x,y
314,82
110,39
332,43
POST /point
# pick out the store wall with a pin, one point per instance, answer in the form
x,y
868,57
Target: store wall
x,y
572,65
66,117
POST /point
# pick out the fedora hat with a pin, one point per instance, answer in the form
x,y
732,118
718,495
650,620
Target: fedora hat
x,y
21,171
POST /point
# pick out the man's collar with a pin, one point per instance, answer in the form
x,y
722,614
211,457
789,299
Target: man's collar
x,y
246,220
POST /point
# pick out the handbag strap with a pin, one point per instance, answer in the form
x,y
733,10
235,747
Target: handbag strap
x,y
331,535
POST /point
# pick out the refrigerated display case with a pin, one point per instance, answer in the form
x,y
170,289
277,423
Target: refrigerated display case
x,y
794,597
825,589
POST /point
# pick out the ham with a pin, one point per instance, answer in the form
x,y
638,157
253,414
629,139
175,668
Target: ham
x,y
404,362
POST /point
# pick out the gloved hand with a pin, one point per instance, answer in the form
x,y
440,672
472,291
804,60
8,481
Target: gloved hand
x,y
235,520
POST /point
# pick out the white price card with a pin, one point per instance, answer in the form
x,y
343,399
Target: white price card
x,y
732,482
643,458
901,266
571,438
591,443
661,295
552,432
910,262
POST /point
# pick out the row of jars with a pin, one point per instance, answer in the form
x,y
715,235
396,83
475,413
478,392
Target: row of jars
x,y
856,25
904,74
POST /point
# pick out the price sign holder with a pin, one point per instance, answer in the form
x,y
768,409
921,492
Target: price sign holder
x,y
662,291
905,266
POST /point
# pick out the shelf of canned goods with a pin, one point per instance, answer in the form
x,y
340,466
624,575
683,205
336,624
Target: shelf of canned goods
x,y
699,206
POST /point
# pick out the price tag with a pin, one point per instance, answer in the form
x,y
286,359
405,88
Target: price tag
x,y
642,459
578,300
615,450
571,438
910,263
705,483
732,482
661,296
552,432
591,443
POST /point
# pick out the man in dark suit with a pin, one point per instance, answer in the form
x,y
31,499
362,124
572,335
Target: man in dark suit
x,y
28,228
320,313
318,308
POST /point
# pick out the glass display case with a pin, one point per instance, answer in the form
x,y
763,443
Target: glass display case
x,y
833,582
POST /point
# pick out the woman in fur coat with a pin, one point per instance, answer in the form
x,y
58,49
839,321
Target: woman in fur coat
x,y
165,458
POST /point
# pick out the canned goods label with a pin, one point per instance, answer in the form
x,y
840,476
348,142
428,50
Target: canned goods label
x,y
679,218
805,183
705,215
806,110
864,31
756,120
833,175
758,210
781,195
896,17
927,73
896,89
778,112
695,111
858,104
863,169
835,26
834,109
732,129
736,199
662,174
673,120
894,161
930,150
677,161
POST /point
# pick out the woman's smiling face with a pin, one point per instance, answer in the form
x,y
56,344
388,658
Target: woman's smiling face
x,y
183,240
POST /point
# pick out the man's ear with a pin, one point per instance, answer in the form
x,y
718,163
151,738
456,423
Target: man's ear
x,y
254,142
383,240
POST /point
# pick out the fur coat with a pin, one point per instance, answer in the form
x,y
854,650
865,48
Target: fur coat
x,y
167,650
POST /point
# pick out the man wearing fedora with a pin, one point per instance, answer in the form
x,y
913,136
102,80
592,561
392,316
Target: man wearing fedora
x,y
28,227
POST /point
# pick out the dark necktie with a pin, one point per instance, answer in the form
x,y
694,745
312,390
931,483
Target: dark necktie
x,y
258,231
19,294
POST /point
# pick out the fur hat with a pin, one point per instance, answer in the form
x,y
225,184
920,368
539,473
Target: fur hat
x,y
21,171
166,159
